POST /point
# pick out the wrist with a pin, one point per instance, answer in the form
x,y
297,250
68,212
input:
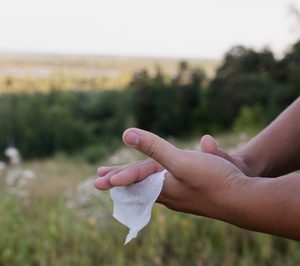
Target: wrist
x,y
251,164
237,201
228,200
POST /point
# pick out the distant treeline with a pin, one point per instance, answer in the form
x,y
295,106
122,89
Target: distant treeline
x,y
249,89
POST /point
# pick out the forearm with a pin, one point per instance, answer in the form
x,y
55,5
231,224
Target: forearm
x,y
268,205
276,150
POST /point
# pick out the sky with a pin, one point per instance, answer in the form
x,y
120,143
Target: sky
x,y
160,28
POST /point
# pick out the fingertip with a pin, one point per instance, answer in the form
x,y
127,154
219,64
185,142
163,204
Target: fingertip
x,y
102,170
102,183
97,183
131,137
207,138
153,146
208,144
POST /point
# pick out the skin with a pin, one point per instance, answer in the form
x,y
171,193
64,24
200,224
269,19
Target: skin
x,y
232,188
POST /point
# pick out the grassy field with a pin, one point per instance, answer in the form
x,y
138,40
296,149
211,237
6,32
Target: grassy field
x,y
40,72
52,215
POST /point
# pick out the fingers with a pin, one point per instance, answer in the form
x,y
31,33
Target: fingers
x,y
103,170
153,146
165,156
125,175
103,183
135,173
209,145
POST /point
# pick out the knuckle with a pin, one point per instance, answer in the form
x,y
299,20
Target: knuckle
x,y
135,172
152,148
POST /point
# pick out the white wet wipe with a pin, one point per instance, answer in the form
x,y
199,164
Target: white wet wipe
x,y
133,204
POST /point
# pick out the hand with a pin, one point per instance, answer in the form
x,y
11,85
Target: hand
x,y
209,145
196,182
141,169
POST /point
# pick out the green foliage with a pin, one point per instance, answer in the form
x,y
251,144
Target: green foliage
x,y
164,107
249,119
91,122
155,105
252,78
41,125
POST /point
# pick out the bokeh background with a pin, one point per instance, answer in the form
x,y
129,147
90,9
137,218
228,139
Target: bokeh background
x,y
75,74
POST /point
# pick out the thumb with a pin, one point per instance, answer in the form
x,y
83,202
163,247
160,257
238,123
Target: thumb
x,y
209,145
153,146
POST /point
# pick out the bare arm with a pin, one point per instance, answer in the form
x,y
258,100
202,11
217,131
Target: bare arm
x,y
268,205
273,152
276,150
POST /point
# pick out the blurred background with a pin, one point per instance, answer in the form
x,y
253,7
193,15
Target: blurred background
x,y
75,74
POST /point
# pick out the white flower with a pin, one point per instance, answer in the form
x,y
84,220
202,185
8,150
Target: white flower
x,y
13,154
17,180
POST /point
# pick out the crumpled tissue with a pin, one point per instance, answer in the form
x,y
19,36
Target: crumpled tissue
x,y
132,204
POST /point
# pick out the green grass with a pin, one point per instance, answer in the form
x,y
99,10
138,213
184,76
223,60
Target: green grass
x,y
42,230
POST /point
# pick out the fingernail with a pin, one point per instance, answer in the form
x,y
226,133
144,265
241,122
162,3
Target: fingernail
x,y
131,138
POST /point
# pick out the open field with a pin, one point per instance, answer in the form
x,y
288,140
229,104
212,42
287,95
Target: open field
x,y
51,214
56,217
39,72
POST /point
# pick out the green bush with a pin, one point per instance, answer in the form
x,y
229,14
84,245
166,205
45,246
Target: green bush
x,y
73,122
43,124
249,118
